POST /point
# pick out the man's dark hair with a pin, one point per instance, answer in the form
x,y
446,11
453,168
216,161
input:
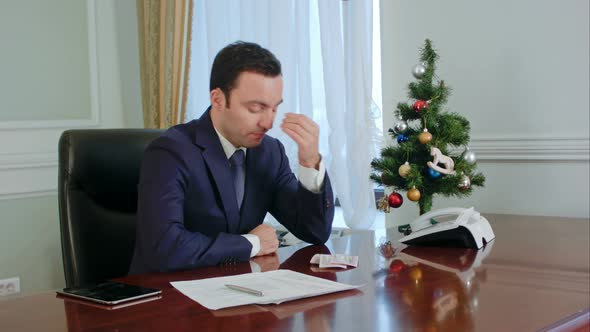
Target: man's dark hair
x,y
239,57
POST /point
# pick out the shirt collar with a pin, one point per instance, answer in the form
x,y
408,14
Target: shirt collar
x,y
228,148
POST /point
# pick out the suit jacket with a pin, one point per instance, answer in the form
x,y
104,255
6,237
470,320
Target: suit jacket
x,y
187,211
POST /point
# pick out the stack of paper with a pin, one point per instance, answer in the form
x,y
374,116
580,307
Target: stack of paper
x,y
277,286
337,260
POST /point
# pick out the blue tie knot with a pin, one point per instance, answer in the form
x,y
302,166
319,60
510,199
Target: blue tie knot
x,y
237,159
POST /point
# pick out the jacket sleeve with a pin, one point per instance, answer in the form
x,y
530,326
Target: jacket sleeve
x,y
306,214
163,243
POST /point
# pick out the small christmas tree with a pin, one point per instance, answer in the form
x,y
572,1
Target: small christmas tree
x,y
422,163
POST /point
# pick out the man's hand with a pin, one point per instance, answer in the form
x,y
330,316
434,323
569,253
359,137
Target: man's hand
x,y
267,262
306,134
268,239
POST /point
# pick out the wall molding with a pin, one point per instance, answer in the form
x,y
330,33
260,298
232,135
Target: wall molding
x,y
531,148
94,119
27,195
36,173
12,161
27,175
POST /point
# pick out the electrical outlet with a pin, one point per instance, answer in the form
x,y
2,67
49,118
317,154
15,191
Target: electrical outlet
x,y
9,286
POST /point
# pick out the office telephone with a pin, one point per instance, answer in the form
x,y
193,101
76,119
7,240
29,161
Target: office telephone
x,y
468,230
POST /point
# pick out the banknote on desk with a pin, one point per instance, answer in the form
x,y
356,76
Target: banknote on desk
x,y
335,260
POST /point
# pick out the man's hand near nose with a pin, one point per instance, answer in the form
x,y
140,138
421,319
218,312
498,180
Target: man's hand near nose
x,y
306,134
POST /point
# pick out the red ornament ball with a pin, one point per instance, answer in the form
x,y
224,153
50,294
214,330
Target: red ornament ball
x,y
395,200
396,266
419,105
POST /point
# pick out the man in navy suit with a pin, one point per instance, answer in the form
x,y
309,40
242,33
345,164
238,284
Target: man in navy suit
x,y
198,206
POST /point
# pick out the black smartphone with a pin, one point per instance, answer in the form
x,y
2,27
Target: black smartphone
x,y
110,292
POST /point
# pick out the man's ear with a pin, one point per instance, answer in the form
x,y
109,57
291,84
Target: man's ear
x,y
217,98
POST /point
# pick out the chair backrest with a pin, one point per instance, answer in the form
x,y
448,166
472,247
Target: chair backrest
x,y
97,187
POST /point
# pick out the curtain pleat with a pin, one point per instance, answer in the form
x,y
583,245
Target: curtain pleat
x,y
347,60
164,31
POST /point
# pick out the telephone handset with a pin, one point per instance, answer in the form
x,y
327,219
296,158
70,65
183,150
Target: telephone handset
x,y
468,230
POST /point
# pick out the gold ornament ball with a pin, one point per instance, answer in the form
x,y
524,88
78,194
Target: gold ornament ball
x,y
404,169
425,137
413,195
416,273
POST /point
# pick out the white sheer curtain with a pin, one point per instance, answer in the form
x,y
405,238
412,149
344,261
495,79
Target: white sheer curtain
x,y
325,49
347,58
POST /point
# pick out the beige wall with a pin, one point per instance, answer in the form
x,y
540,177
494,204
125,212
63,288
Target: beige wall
x,y
107,44
50,63
519,73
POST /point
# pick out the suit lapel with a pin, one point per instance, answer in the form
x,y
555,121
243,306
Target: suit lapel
x,y
216,160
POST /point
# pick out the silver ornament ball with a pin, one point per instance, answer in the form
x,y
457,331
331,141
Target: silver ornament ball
x,y
469,157
400,126
419,70
465,183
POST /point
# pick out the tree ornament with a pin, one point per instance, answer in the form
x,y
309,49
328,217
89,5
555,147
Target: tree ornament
x,y
401,138
465,182
404,169
469,156
396,266
440,158
413,194
387,250
383,204
419,105
400,126
433,174
419,70
416,274
425,137
395,200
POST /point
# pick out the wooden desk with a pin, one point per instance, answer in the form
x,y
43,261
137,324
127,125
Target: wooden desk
x,y
518,283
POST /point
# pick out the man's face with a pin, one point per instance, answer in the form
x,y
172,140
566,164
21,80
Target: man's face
x,y
252,109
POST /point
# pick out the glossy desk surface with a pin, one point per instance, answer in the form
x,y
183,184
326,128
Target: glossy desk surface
x,y
533,276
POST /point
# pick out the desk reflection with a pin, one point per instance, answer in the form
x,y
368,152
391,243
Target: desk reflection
x,y
436,289
516,287
316,313
311,314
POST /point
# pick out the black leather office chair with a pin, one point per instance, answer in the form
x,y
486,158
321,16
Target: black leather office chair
x,y
97,185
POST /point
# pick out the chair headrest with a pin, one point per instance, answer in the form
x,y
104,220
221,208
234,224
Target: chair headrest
x,y
104,163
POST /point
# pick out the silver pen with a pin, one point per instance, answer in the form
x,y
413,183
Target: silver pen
x,y
245,289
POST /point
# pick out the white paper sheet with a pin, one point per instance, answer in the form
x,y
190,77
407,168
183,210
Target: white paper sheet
x,y
278,286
